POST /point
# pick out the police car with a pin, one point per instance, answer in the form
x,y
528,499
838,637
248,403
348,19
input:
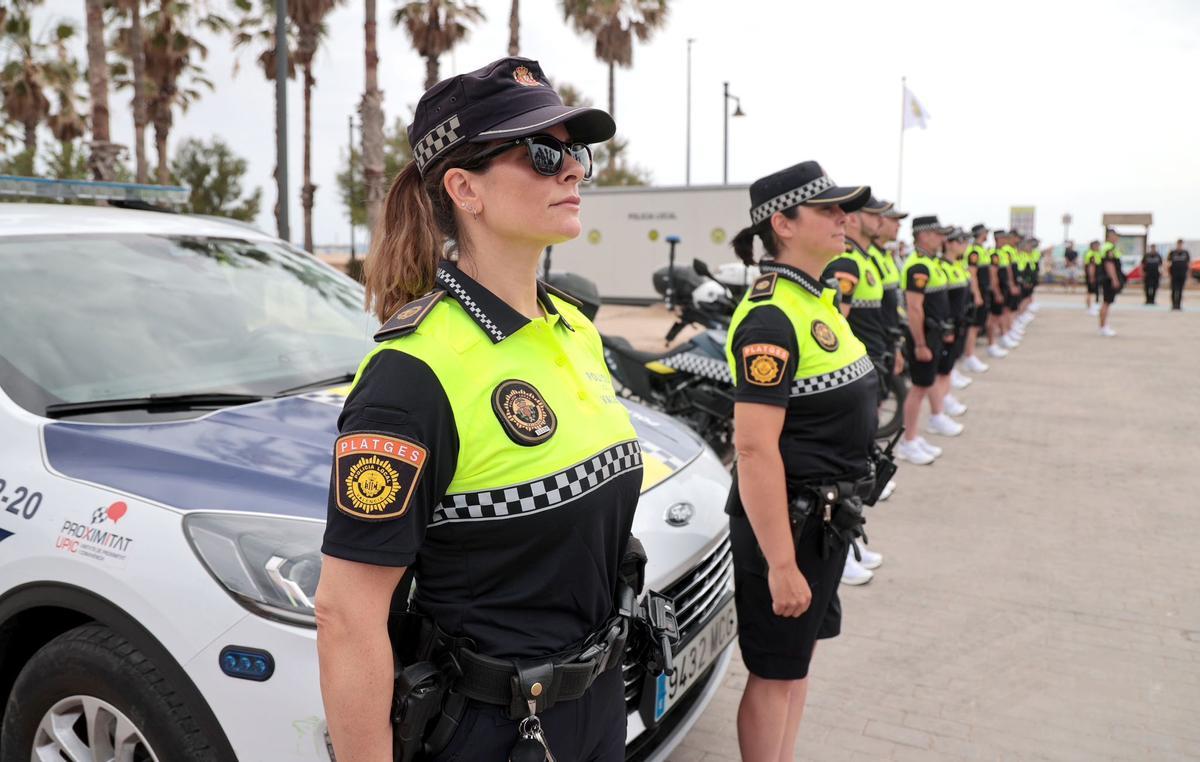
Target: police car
x,y
169,391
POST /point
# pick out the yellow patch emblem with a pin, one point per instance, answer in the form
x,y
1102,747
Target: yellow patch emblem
x,y
376,474
763,364
920,279
847,285
824,336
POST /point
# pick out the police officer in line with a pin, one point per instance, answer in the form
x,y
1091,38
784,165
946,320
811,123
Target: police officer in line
x,y
1092,259
886,229
805,418
979,273
1108,278
958,293
1151,268
1178,260
481,447
930,329
1010,262
1008,288
861,286
989,273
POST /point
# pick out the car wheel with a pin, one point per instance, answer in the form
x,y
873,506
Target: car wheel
x,y
89,694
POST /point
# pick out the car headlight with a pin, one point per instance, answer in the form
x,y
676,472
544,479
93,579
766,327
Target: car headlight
x,y
269,564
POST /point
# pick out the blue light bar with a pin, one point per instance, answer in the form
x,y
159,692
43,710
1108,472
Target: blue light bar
x,y
89,190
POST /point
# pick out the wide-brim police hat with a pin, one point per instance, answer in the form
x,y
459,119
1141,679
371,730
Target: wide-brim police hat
x,y
507,99
930,222
804,184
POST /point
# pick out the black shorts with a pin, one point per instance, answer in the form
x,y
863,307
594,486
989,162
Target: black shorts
x,y
949,356
1092,286
1012,301
924,373
775,647
981,312
592,727
1110,293
996,306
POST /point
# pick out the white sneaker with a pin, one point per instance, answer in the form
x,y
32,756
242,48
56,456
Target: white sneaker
x,y
853,572
1106,331
996,351
1034,306
953,406
1013,340
958,380
975,365
888,489
913,452
1094,309
870,559
944,425
933,450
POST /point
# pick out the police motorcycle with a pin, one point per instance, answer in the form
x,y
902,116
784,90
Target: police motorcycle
x,y
690,382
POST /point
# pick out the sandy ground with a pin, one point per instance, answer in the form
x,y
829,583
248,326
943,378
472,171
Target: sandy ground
x,y
1040,594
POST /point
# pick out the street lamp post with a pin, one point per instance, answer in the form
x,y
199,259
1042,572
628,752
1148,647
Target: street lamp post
x,y
736,112
1066,221
688,175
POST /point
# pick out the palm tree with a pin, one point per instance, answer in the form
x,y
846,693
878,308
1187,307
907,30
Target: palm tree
x,y
67,125
23,78
309,17
614,24
173,73
103,154
132,41
435,27
256,27
514,28
370,111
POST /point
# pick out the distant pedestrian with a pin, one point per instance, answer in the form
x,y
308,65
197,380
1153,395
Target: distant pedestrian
x,y
1151,264
1091,264
1179,258
1109,278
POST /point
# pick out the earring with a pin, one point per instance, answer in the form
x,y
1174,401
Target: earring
x,y
470,209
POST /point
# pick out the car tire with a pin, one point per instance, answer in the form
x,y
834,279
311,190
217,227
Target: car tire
x,y
95,665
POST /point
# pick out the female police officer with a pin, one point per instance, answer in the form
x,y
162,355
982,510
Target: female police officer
x,y
481,444
805,416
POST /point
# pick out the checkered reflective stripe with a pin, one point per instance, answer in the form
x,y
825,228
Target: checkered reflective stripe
x,y
470,305
766,267
553,491
926,226
891,286
789,199
699,365
802,387
866,304
435,141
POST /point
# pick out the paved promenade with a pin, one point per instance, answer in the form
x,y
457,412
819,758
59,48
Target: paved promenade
x,y
1040,593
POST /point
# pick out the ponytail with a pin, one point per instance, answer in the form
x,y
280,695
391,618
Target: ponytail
x,y
743,242
412,233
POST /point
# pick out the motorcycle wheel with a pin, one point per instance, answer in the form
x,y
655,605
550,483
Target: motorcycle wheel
x,y
893,390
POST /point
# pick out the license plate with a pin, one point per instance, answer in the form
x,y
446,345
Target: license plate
x,y
693,658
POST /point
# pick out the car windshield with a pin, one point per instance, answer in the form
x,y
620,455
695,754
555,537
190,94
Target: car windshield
x,y
102,317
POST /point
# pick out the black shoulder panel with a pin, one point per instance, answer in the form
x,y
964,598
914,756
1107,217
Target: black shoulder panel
x,y
764,287
408,317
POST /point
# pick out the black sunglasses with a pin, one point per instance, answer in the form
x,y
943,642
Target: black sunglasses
x,y
546,153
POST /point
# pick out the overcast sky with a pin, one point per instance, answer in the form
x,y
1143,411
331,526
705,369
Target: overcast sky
x,y
1071,106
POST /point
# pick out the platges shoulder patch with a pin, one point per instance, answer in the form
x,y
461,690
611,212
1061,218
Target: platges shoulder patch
x,y
824,336
376,474
407,318
920,279
764,287
763,364
523,412
846,284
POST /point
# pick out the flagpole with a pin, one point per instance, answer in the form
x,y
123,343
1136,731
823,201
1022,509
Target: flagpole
x,y
900,171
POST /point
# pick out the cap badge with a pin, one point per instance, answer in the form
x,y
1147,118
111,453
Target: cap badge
x,y
525,77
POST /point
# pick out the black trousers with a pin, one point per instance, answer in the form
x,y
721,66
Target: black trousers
x,y
1150,284
589,729
1177,283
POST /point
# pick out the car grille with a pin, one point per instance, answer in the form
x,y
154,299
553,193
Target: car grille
x,y
698,595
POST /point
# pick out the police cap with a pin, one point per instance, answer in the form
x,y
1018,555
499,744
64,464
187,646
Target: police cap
x,y
978,229
893,213
876,206
921,224
509,98
802,184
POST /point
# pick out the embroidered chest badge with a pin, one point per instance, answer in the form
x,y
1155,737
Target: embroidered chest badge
x,y
376,474
871,278
824,336
763,364
523,413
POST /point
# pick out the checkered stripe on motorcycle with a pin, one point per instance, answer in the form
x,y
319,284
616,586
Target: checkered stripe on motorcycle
x,y
542,494
700,365
803,387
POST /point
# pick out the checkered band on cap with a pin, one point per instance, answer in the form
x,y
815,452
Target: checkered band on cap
x,y
794,197
926,226
802,387
553,491
435,141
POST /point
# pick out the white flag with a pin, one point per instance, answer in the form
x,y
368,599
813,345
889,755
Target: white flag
x,y
915,114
